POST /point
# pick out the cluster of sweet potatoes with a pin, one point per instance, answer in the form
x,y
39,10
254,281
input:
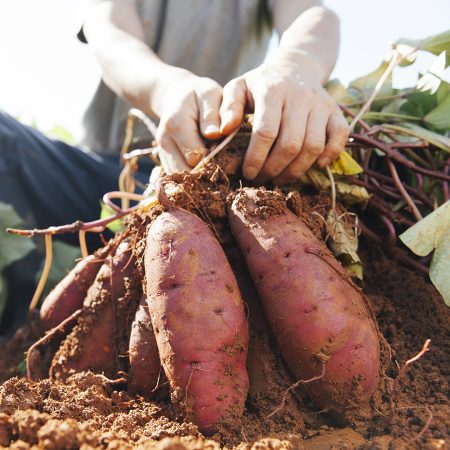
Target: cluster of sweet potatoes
x,y
183,317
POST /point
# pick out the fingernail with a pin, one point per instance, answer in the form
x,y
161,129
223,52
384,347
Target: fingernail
x,y
250,172
227,118
212,130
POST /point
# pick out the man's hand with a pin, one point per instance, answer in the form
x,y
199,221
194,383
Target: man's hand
x,y
188,107
295,122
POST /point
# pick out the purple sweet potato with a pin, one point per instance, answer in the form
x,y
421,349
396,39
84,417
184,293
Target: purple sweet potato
x,y
198,317
145,365
97,341
319,317
69,293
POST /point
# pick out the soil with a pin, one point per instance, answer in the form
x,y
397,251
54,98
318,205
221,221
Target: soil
x,y
89,410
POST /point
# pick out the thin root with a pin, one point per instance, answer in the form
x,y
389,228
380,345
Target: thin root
x,y
44,275
400,375
294,386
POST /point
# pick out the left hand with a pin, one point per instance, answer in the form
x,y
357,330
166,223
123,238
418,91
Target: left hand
x,y
296,122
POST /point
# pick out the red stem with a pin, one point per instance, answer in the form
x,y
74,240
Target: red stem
x,y
396,156
75,227
403,192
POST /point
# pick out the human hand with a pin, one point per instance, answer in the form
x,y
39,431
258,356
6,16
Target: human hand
x,y
189,109
296,122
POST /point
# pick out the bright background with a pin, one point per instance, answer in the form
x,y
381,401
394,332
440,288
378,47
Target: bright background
x,y
47,76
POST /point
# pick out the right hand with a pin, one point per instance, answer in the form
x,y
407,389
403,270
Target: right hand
x,y
188,106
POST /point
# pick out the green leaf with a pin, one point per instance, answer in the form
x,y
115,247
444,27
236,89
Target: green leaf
x,y
410,129
22,366
440,267
12,247
340,94
435,44
115,226
365,84
62,134
394,107
442,92
64,259
385,116
419,103
433,233
439,117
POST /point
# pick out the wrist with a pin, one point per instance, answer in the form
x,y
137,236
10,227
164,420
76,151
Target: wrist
x,y
167,76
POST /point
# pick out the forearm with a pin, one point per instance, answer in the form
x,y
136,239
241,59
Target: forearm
x,y
309,45
129,67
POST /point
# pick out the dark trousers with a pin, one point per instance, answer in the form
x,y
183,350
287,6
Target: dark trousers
x,y
50,183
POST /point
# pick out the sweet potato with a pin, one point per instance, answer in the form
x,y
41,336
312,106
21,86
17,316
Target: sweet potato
x,y
319,317
198,317
69,293
145,366
108,309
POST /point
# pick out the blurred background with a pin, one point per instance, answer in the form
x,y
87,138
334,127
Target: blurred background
x,y
47,76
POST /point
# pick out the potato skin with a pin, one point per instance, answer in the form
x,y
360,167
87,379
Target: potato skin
x,y
69,293
198,318
145,365
97,339
318,316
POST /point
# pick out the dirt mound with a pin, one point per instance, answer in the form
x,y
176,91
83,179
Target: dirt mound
x,y
91,411
87,409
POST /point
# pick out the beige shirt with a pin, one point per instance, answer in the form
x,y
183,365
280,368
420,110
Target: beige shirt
x,y
211,38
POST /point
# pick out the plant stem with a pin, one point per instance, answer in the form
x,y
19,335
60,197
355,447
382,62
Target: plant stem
x,y
396,156
393,62
403,191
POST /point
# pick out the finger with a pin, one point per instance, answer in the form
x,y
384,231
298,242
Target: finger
x,y
233,104
171,159
290,139
338,132
313,146
186,137
208,105
266,123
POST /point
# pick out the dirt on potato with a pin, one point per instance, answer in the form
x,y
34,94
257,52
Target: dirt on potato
x,y
91,411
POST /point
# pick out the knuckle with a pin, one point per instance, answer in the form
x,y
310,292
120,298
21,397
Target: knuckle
x,y
334,154
292,174
344,130
315,148
333,151
290,148
304,92
266,133
272,170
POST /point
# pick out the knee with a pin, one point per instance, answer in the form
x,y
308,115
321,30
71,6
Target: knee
x,y
8,131
14,139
